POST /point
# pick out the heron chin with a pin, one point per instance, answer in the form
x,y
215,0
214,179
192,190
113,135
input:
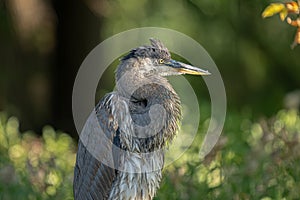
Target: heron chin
x,y
132,127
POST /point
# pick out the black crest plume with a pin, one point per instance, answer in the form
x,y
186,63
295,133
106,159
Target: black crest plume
x,y
156,50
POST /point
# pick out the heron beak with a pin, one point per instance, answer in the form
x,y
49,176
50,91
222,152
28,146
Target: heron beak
x,y
183,68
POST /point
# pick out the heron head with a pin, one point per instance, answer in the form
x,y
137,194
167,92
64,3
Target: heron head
x,y
156,60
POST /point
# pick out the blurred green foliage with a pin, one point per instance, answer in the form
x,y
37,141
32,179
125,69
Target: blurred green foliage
x,y
252,160
253,55
33,167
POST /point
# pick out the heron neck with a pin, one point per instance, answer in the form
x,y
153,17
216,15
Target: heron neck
x,y
144,94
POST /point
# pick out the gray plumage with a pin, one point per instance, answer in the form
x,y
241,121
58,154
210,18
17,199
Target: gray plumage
x,y
121,148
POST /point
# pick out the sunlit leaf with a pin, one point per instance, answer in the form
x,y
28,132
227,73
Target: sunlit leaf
x,y
292,7
292,22
273,9
283,14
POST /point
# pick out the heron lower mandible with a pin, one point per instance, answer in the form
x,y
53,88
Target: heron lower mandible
x,y
133,125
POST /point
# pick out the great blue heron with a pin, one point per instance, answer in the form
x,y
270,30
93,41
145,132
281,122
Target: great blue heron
x,y
120,153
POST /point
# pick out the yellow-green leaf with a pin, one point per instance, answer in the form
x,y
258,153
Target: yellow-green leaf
x,y
283,14
273,9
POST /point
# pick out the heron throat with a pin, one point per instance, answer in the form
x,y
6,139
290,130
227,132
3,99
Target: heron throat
x,y
153,105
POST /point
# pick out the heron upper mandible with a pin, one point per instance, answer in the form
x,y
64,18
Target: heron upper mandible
x,y
133,124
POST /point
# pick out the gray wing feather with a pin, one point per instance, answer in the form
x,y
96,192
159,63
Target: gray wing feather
x,y
94,170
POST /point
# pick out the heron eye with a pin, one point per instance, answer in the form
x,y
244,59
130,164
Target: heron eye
x,y
161,61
